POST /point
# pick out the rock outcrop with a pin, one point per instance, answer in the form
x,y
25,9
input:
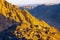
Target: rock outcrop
x,y
30,28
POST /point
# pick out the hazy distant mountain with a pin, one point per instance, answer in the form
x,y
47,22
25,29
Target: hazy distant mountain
x,y
28,7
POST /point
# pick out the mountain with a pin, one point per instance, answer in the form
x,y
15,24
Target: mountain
x,y
28,7
48,13
21,25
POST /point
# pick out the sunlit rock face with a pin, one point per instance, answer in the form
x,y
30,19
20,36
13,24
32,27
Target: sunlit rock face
x,y
28,27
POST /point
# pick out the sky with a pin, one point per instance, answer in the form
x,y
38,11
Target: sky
x,y
27,2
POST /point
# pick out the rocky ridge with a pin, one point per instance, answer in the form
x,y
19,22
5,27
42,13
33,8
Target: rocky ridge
x,y
30,27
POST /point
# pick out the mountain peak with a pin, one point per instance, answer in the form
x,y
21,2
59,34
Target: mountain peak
x,y
30,28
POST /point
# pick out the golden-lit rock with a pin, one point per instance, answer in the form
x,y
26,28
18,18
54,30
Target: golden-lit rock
x,y
31,28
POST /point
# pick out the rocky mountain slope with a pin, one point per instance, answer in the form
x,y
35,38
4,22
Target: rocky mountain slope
x,y
16,23
51,14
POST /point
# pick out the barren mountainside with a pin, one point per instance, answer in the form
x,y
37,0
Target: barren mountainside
x,y
28,27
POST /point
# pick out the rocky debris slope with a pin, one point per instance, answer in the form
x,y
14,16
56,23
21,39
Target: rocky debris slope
x,y
29,28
